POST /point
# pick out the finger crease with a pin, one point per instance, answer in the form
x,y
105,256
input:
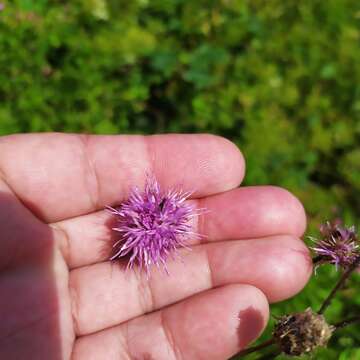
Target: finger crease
x,y
200,226
74,301
209,268
93,186
146,297
126,343
151,155
170,338
64,243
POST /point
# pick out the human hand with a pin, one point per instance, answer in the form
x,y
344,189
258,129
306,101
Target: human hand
x,y
61,298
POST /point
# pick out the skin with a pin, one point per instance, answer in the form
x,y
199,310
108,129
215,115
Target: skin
x,y
61,298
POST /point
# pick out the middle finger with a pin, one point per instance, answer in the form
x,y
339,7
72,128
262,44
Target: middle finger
x,y
243,213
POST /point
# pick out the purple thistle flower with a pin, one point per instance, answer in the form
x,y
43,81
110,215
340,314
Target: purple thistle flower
x,y
152,225
338,245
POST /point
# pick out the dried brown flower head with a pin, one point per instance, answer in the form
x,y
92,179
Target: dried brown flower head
x,y
301,333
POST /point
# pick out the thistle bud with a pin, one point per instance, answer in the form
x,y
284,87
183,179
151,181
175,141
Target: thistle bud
x,y
301,333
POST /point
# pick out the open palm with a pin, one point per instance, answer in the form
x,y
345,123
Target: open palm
x,y
61,299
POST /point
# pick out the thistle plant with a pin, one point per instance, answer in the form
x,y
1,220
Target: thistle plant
x,y
152,225
303,332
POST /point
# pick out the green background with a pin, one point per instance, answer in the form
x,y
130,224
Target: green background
x,y
279,78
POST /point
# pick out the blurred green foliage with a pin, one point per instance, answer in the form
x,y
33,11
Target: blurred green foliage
x,y
279,78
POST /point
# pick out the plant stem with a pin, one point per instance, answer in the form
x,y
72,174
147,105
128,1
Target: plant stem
x,y
339,285
256,348
271,355
347,322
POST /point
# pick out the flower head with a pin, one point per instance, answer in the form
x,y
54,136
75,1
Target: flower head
x,y
338,245
301,333
152,224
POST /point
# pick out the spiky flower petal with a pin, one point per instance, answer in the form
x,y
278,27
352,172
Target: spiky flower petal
x,y
152,224
338,245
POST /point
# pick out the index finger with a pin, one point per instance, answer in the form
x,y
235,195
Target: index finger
x,y
59,176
